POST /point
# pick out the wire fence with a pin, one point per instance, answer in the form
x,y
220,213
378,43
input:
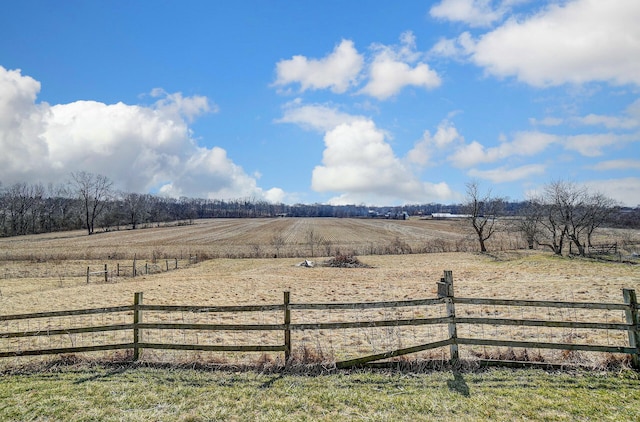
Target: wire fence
x,y
347,334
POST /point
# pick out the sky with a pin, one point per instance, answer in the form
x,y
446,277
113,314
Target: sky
x,y
339,102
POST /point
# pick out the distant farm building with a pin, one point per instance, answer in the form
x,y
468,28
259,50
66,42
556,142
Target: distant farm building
x,y
446,215
389,215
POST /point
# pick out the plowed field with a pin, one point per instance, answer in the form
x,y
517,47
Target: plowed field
x,y
238,238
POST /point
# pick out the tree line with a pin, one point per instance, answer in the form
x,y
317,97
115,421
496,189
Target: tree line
x,y
89,201
563,214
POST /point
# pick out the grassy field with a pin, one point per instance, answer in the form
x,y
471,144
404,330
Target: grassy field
x,y
34,286
150,394
48,272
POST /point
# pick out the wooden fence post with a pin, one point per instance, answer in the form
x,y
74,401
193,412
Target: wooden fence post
x,y
176,263
87,275
633,319
134,265
287,329
137,319
105,273
447,289
118,269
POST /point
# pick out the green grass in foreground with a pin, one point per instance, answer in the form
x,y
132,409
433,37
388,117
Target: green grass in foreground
x,y
152,394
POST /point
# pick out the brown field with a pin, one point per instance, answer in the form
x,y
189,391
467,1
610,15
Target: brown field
x,y
48,272
245,238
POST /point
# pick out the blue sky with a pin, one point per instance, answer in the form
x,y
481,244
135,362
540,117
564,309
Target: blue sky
x,y
342,102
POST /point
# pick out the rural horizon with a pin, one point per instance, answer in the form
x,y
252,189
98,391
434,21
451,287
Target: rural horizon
x,y
264,210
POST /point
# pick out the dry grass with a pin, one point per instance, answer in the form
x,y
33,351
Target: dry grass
x,y
247,238
516,274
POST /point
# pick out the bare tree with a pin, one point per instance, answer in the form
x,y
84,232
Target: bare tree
x,y
314,240
23,204
570,212
278,242
554,230
600,208
94,190
136,207
528,223
483,211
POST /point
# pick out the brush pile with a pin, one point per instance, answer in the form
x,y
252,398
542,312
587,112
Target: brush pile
x,y
344,261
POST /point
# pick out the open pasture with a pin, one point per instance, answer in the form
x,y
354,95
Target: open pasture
x,y
518,274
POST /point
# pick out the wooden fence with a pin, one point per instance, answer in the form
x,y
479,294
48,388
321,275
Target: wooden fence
x,y
135,325
604,249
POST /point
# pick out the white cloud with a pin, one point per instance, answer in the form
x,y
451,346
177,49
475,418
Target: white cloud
x,y
459,48
475,13
393,69
359,162
21,126
593,145
316,116
610,122
275,196
140,148
176,106
337,71
617,165
626,191
524,144
567,42
504,174
546,121
209,173
628,119
423,150
389,70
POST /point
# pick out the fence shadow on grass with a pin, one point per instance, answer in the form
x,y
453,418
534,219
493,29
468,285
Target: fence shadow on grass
x,y
458,384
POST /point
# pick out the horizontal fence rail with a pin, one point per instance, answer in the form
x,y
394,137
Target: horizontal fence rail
x,y
47,332
133,326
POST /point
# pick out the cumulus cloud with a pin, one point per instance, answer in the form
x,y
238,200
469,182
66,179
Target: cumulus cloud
x,y
476,13
141,148
318,117
459,48
567,42
337,71
210,173
175,106
388,70
359,162
21,127
395,67
423,150
523,144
